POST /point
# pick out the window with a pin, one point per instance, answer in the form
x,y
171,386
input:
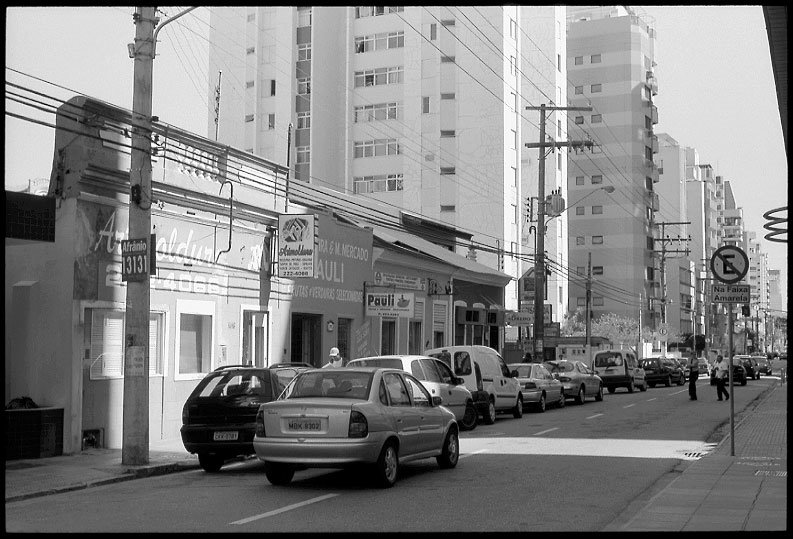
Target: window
x,y
579,119
595,59
251,17
514,139
580,270
447,96
597,210
447,22
579,60
597,301
425,105
272,87
597,118
304,51
580,302
648,123
387,336
579,180
303,120
271,121
512,65
596,88
380,147
513,28
597,270
597,178
397,392
106,348
447,208
445,171
579,240
597,240
579,89
380,111
378,183
248,118
194,339
447,59
303,154
303,17
250,50
559,63
249,84
376,77
447,133
433,31
580,210
304,86
396,40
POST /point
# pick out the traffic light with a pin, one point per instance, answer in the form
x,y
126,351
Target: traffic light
x,y
745,310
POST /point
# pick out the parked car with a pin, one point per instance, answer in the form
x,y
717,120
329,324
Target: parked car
x,y
738,374
219,416
293,364
539,386
704,367
437,377
502,387
749,365
578,380
619,368
763,365
348,416
662,370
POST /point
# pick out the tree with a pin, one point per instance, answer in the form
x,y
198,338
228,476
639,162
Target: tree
x,y
618,329
574,323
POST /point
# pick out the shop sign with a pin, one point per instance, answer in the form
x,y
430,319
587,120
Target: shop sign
x,y
382,278
390,304
134,259
522,318
297,250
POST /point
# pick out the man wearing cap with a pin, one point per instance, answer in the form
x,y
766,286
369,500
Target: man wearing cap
x,y
334,360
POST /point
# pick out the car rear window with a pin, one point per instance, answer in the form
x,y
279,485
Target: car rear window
x,y
524,371
562,366
330,384
608,360
235,383
389,362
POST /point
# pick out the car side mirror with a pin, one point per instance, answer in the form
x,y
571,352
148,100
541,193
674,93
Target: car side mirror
x,y
437,401
459,381
514,373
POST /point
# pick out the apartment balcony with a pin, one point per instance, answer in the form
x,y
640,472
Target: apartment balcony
x,y
654,114
652,82
654,142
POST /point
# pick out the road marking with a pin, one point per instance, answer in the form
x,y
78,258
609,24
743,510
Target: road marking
x,y
472,453
545,431
650,400
284,509
629,405
678,392
594,416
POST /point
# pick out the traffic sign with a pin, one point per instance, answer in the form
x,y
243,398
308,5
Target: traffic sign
x,y
729,264
731,293
134,259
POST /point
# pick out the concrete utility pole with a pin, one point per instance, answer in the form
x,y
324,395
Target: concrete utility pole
x,y
135,441
539,250
664,240
589,309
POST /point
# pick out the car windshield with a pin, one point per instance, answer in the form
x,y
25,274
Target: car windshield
x,y
560,366
649,363
339,384
389,362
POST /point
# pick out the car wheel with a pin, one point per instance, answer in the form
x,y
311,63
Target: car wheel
x,y
681,380
599,394
612,389
277,473
743,381
387,467
630,387
541,404
450,453
581,397
210,462
517,412
469,417
562,399
668,381
652,384
490,417
643,387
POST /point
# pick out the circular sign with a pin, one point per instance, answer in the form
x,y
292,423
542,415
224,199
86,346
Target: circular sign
x,y
663,332
729,264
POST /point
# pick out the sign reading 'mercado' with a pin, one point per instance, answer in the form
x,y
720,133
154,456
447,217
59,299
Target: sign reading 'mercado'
x,y
731,293
390,304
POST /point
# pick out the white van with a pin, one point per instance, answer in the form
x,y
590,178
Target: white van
x,y
502,386
619,368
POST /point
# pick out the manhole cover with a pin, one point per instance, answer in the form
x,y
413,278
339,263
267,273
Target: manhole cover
x,y
20,465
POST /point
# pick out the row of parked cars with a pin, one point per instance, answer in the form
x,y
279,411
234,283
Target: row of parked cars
x,y
380,411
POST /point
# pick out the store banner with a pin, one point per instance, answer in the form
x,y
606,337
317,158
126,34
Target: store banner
x,y
297,249
390,304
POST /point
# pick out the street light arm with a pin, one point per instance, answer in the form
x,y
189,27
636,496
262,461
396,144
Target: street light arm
x,y
157,30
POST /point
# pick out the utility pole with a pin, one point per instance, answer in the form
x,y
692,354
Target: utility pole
x,y
664,239
589,309
539,248
135,438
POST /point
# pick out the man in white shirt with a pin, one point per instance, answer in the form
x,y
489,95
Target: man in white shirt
x,y
721,378
334,360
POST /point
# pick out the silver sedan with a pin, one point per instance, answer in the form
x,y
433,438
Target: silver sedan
x,y
538,386
579,381
340,417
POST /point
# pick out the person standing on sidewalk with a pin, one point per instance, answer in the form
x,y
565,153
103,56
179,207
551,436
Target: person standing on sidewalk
x,y
721,377
693,374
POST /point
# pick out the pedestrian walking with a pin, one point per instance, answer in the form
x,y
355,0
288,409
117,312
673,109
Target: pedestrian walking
x,y
693,374
334,359
527,357
721,378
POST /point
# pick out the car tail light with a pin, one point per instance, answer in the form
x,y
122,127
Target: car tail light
x,y
529,385
260,423
359,428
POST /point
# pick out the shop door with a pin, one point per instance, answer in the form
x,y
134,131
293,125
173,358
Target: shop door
x,y
255,338
307,339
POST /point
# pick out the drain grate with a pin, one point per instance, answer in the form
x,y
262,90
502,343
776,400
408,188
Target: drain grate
x,y
770,473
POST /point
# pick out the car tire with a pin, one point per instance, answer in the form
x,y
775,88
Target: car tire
x,y
743,381
468,421
490,417
562,400
599,394
450,453
517,411
612,389
278,473
541,404
581,397
630,387
668,382
652,384
210,462
681,381
643,387
387,467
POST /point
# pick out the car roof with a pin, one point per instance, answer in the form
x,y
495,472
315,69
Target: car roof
x,y
395,356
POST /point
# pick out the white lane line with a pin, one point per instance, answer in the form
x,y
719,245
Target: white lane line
x,y
650,400
594,416
284,509
629,405
544,431
472,453
677,392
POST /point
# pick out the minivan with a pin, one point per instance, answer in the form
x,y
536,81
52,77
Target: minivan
x,y
500,386
619,368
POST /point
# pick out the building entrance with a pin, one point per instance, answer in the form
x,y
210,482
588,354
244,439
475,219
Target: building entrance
x,y
307,339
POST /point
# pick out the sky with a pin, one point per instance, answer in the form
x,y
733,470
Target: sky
x,y
716,88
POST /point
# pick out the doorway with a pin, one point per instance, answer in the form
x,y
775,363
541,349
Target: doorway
x,y
306,338
254,338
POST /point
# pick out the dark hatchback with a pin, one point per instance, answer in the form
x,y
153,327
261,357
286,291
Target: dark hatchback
x,y
663,370
738,375
219,416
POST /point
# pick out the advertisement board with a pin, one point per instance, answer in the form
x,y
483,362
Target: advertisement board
x,y
389,304
297,249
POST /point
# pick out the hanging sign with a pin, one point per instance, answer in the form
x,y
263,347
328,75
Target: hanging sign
x,y
134,259
389,304
296,245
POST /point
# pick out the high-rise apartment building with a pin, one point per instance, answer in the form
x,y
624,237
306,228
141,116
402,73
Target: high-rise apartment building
x,y
610,58
420,108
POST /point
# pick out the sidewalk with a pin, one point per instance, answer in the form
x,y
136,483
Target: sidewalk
x,y
720,492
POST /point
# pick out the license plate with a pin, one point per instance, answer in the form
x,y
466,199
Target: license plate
x,y
225,435
304,424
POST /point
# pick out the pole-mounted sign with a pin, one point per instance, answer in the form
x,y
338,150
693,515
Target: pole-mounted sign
x,y
134,259
729,264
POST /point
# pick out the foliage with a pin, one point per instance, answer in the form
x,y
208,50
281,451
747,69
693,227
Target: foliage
x,y
573,324
620,330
